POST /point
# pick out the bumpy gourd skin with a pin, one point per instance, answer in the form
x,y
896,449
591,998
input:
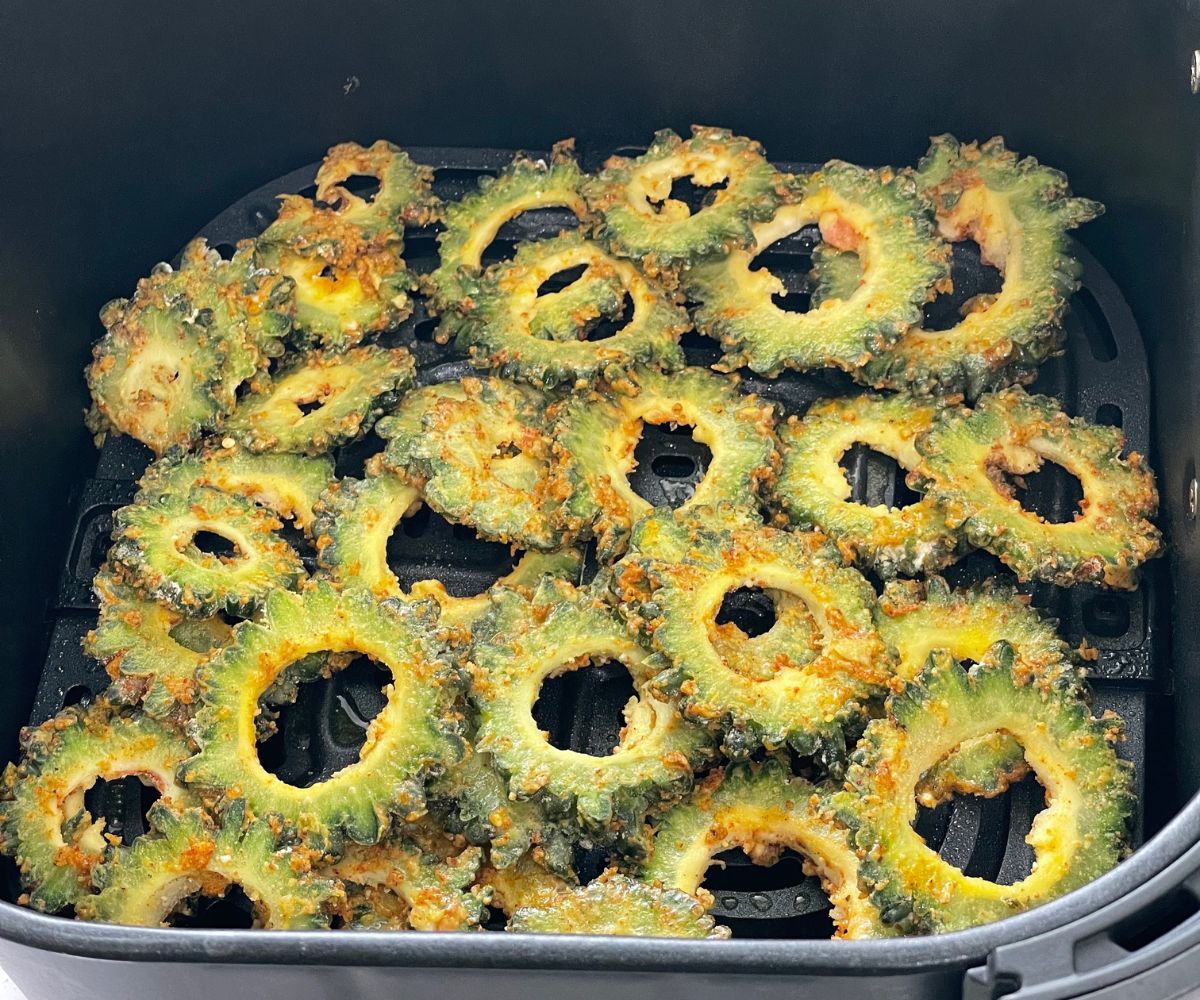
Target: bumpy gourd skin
x,y
344,255
44,823
479,450
352,388
1019,212
471,223
173,356
524,883
521,642
640,219
763,810
542,339
881,216
596,433
813,490
153,542
1082,832
617,905
144,884
966,453
416,734
671,584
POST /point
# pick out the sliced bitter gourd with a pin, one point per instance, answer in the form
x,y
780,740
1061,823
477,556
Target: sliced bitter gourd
x,y
416,733
880,216
672,583
525,883
1082,832
596,434
965,457
155,543
479,450
521,642
542,339
173,356
144,885
813,490
349,390
618,905
641,220
762,809
44,794
471,224
1019,212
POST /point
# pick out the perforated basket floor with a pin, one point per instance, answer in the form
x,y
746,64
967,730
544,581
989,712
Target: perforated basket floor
x,y
1102,377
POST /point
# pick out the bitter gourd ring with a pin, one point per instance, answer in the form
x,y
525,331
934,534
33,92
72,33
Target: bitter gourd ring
x,y
967,452
415,734
542,339
1080,834
762,810
350,389
471,224
671,584
154,542
518,644
358,516
479,451
813,490
524,883
877,214
144,885
1019,212
617,904
44,823
641,220
596,435
915,619
173,356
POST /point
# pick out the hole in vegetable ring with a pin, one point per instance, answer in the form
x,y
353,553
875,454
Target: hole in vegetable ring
x,y
751,610
233,910
561,279
122,804
1051,491
213,543
688,195
610,691
884,467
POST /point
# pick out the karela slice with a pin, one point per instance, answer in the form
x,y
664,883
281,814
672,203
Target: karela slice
x,y
525,883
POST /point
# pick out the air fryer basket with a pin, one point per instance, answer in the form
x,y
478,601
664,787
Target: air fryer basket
x,y
127,183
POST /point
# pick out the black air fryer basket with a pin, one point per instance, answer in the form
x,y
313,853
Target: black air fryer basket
x,y
125,129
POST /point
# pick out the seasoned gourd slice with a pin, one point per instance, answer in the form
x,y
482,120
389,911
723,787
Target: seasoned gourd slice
x,y
917,618
964,459
521,642
151,651
287,484
641,220
479,450
471,224
542,339
763,810
880,216
144,885
671,585
343,252
617,905
1019,212
349,391
1080,834
44,824
813,490
416,734
154,540
835,274
524,883
173,356
358,516
596,434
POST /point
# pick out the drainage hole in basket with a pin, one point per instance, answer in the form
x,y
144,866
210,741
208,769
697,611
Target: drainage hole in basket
x,y
123,804
584,709
872,476
1106,615
78,694
1052,492
660,475
972,278
1087,312
1109,415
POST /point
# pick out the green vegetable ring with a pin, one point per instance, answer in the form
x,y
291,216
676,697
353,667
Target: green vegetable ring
x,y
672,583
44,823
1080,834
154,542
415,734
967,452
520,643
814,492
877,214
